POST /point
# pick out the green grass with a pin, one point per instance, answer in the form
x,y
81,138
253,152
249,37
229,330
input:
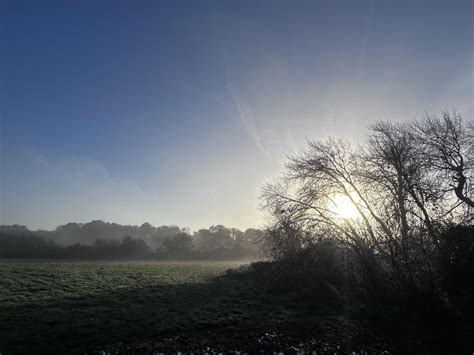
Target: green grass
x,y
57,307
62,306
73,307
43,281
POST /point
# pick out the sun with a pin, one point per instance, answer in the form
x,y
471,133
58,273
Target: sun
x,y
343,207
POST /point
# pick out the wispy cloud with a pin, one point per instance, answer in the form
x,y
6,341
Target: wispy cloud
x,y
248,120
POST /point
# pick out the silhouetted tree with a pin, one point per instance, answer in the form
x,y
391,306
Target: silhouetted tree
x,y
133,248
396,192
166,242
178,247
447,144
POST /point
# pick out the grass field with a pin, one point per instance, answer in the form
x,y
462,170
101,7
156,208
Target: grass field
x,y
77,307
73,307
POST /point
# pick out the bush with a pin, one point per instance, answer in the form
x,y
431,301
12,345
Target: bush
x,y
456,262
315,272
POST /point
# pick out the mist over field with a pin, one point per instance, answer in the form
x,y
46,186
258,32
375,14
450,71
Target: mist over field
x,y
105,241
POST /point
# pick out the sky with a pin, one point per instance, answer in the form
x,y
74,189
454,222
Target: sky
x,y
178,112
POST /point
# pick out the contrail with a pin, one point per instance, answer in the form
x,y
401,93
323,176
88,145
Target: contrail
x,y
247,119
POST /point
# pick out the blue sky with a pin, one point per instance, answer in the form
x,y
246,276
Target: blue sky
x,y
177,112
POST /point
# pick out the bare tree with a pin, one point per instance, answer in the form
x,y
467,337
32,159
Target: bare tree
x,y
394,165
393,182
447,144
309,195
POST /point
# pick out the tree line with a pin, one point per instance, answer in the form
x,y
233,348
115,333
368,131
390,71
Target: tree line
x,y
101,240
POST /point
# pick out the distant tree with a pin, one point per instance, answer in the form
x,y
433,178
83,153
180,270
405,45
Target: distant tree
x,y
165,241
146,229
178,247
213,238
106,249
16,243
14,229
161,233
133,248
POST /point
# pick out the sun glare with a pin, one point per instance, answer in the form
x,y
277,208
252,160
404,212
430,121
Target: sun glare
x,y
343,207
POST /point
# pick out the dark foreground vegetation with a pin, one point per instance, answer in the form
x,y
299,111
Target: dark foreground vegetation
x,y
78,307
387,224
